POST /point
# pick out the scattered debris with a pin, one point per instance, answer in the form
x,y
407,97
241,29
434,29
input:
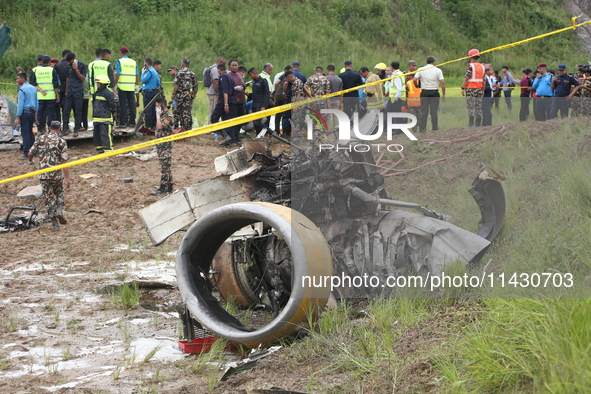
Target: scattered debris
x,y
235,367
94,185
31,192
20,222
88,176
142,157
93,211
198,165
127,180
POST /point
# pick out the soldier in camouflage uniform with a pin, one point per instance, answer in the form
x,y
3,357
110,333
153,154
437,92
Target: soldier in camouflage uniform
x,y
577,100
185,89
317,85
298,90
473,88
164,121
583,96
52,150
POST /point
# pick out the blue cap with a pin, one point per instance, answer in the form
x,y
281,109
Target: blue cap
x,y
295,63
348,62
562,67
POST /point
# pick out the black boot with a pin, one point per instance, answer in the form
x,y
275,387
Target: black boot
x,y
60,214
478,122
54,224
471,123
159,191
169,188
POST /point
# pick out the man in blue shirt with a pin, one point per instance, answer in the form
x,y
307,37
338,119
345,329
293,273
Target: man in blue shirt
x,y
562,85
543,87
150,84
26,111
295,67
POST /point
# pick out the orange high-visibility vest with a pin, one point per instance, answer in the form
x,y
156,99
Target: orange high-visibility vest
x,y
476,80
413,95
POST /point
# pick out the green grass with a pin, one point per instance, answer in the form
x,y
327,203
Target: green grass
x,y
539,345
127,296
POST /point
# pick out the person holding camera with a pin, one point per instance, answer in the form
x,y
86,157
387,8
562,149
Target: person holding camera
x,y
544,95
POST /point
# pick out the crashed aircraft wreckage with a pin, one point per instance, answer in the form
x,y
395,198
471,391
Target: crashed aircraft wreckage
x,y
310,214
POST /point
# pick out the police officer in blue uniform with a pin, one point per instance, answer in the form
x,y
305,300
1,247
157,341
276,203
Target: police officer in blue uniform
x,y
77,73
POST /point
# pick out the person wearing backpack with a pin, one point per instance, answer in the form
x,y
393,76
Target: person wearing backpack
x,y
508,83
210,81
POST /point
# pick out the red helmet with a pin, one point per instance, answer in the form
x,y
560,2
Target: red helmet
x,y
473,52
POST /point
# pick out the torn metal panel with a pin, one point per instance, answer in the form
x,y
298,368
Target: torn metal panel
x,y
31,192
490,197
7,116
216,192
232,162
167,216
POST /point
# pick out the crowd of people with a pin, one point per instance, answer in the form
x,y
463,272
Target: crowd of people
x,y
551,91
58,88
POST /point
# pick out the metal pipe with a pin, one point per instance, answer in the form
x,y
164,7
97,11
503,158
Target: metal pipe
x,y
288,142
409,205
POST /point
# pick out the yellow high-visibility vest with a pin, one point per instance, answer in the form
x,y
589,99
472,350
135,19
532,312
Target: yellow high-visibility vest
x,y
393,88
127,77
44,77
101,67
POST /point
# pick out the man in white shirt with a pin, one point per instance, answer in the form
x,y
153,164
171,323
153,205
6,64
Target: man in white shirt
x,y
213,89
429,78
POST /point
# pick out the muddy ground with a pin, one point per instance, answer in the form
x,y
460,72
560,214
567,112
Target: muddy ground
x,y
60,330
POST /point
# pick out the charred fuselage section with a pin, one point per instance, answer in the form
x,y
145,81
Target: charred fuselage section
x,y
339,194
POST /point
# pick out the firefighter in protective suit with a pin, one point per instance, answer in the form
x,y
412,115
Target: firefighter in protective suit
x,y
102,118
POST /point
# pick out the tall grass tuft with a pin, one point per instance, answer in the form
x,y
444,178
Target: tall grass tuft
x,y
127,296
525,344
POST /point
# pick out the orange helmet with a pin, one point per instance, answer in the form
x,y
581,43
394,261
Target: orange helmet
x,y
473,52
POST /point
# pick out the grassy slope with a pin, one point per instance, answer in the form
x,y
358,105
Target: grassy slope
x,y
313,32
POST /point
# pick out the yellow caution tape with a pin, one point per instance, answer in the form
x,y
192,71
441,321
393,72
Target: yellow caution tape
x,y
260,114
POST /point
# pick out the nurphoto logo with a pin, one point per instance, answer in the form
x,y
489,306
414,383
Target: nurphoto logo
x,y
368,132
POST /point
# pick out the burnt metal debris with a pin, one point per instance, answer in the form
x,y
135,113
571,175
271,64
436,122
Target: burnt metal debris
x,y
19,218
315,213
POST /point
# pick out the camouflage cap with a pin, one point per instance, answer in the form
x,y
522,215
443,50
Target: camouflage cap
x,y
55,125
412,62
172,68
